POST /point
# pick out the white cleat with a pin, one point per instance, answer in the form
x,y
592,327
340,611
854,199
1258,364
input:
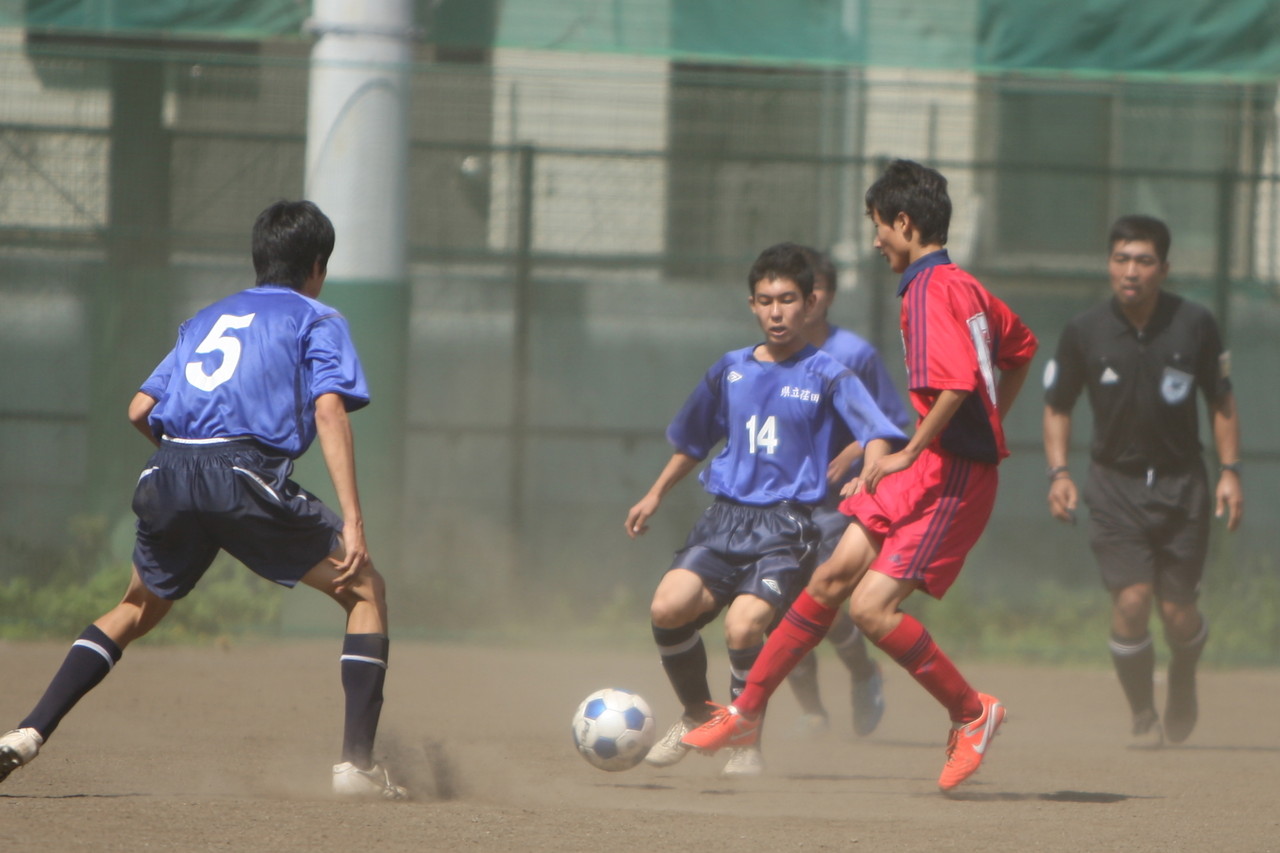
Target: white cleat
x,y
743,761
17,748
670,750
371,784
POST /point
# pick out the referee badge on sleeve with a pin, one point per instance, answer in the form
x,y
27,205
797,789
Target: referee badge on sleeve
x,y
1175,385
1224,365
1050,373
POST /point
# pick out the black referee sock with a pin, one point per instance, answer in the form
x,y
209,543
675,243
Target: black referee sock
x,y
1185,654
1135,663
684,658
364,669
91,657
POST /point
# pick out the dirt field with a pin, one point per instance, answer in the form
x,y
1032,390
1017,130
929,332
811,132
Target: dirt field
x,y
229,749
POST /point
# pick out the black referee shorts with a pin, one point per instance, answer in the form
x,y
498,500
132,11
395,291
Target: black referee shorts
x,y
1150,529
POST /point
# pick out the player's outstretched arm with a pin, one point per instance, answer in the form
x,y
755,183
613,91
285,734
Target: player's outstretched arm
x,y
1062,489
139,410
1226,438
333,428
677,467
839,467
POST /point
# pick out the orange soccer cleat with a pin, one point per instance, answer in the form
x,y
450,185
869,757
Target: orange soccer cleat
x,y
726,727
967,744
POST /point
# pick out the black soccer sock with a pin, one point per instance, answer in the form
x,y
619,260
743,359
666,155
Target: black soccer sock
x,y
740,663
364,669
1135,663
91,657
1185,654
803,679
851,647
684,658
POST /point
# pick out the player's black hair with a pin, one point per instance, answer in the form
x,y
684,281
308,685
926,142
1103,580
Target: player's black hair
x,y
784,260
823,267
919,192
1127,229
289,237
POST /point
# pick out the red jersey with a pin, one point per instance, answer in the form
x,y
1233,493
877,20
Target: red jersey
x,y
956,336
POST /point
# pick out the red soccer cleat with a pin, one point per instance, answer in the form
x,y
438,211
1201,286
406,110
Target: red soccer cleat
x,y
967,745
726,727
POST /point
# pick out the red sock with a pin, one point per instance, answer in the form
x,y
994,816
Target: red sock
x,y
916,652
801,629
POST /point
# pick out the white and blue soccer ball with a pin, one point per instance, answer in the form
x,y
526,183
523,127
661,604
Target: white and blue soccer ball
x,y
613,729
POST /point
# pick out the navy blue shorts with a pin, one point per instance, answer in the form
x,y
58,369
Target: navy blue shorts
x,y
768,552
194,500
831,526
1152,531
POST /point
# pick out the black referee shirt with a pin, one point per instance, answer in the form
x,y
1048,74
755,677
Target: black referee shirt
x,y
1141,384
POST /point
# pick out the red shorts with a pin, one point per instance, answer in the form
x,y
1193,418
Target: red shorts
x,y
928,517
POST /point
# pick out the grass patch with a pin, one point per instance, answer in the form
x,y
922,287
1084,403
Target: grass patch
x,y
64,591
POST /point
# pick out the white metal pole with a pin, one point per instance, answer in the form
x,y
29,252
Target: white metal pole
x,y
357,132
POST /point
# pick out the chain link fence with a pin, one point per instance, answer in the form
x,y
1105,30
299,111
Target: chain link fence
x,y
618,202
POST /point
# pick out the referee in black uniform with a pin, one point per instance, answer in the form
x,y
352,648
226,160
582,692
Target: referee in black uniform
x,y
1141,356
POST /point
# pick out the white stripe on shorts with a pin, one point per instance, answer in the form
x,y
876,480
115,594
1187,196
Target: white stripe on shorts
x,y
266,487
220,440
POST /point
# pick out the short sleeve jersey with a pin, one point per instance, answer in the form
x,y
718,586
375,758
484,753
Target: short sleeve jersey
x,y
861,357
252,365
1141,384
956,335
777,421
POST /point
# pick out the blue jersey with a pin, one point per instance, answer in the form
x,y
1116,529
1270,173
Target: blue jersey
x,y
778,422
253,364
861,357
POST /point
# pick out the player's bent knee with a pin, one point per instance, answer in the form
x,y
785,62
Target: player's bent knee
x,y
669,615
744,635
676,607
831,587
871,618
373,585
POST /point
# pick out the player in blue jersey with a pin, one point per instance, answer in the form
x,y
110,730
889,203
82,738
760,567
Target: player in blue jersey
x,y
779,407
251,382
867,696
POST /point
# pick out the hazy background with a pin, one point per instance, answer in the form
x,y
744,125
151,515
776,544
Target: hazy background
x,y
615,167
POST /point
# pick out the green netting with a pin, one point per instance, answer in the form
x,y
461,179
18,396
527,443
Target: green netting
x,y
219,18
1189,36
620,198
1231,37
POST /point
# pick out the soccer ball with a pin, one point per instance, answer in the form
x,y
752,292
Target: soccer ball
x,y
613,729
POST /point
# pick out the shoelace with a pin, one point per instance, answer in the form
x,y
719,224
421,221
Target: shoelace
x,y
953,740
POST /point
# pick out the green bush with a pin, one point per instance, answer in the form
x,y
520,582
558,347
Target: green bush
x,y
1057,624
83,582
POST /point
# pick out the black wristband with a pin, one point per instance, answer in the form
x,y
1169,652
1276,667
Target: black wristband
x,y
1233,467
1053,472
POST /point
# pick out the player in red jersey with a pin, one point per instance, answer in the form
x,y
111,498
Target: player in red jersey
x,y
917,512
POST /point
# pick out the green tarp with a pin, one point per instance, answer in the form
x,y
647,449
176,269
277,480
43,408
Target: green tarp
x,y
194,18
460,23
1225,37
1232,37
796,31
